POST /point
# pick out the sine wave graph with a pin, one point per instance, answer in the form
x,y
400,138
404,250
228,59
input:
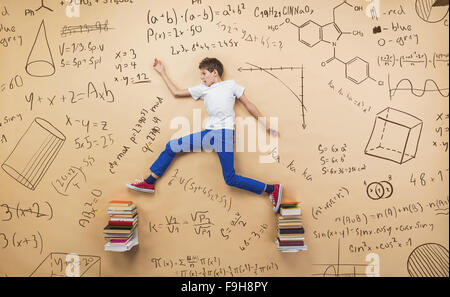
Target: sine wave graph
x,y
430,86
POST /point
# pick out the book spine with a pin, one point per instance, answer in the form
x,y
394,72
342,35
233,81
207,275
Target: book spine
x,y
120,223
122,218
292,231
294,243
122,208
121,227
120,203
118,240
287,215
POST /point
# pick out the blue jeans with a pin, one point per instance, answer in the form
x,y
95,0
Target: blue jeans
x,y
220,141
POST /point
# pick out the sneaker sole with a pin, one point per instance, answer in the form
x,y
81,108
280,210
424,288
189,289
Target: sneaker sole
x,y
140,189
280,191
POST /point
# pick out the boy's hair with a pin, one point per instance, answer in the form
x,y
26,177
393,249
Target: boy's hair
x,y
211,64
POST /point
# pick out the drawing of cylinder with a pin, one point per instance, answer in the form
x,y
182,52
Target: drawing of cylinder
x,y
34,153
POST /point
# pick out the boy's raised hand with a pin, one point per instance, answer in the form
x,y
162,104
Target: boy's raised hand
x,y
158,66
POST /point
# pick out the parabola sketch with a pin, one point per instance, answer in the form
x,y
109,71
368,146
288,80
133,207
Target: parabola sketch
x,y
269,70
339,269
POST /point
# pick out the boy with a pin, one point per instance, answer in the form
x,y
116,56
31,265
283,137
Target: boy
x,y
219,98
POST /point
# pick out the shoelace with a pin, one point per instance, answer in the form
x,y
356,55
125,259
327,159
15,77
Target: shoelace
x,y
272,198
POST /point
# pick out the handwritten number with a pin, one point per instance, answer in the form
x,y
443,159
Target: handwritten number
x,y
7,211
5,239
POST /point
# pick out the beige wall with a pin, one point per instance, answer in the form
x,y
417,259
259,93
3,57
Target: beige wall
x,y
366,154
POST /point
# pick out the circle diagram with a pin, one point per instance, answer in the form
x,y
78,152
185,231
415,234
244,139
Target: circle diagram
x,y
432,11
428,260
380,190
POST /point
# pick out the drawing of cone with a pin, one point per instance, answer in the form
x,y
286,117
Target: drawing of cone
x,y
40,60
34,153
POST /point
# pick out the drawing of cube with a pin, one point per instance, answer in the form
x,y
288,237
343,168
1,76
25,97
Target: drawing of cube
x,y
395,136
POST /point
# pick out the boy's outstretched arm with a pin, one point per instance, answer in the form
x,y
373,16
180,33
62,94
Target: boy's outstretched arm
x,y
253,110
176,92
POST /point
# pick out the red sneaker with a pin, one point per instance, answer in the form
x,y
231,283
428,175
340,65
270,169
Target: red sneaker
x,y
275,197
142,186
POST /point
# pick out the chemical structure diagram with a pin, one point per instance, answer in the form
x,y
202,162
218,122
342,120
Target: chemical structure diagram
x,y
32,12
310,33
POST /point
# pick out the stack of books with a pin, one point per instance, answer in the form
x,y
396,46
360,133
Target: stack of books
x,y
121,231
290,228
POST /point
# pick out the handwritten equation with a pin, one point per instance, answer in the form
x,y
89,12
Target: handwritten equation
x,y
198,266
18,212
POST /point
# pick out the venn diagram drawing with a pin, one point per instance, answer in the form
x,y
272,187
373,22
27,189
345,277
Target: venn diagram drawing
x,y
380,190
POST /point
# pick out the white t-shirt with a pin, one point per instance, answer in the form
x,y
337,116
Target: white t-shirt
x,y
219,101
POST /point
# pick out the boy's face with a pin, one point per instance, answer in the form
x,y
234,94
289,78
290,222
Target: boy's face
x,y
208,78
